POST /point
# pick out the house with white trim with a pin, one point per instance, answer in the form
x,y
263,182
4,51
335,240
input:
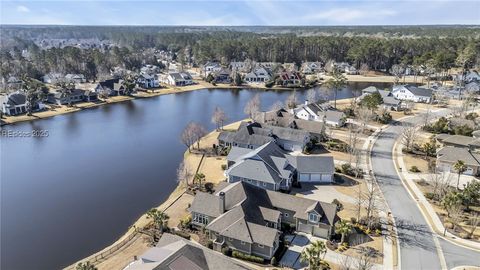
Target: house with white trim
x,y
412,93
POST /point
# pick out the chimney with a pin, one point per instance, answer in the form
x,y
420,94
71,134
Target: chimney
x,y
221,195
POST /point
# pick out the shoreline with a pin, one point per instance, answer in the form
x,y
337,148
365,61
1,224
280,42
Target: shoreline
x,y
142,220
8,120
199,85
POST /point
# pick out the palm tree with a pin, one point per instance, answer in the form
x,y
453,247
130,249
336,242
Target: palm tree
x,y
344,228
460,167
85,266
199,177
160,219
337,81
312,254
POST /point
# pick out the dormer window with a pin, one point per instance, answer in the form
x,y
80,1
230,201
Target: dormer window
x,y
312,217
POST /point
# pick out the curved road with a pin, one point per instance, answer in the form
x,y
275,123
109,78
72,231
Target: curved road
x,y
419,247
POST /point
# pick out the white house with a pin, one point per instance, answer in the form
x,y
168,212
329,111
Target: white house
x,y
149,69
210,67
259,75
52,78
311,111
16,103
412,93
176,78
75,78
147,81
469,76
311,67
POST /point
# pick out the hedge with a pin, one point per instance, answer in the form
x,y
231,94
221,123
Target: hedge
x,y
243,256
183,234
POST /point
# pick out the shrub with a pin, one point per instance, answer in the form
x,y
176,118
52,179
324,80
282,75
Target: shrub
x,y
186,221
378,232
353,220
430,196
183,234
273,261
224,167
414,169
338,204
269,84
226,251
208,187
243,256
210,244
332,245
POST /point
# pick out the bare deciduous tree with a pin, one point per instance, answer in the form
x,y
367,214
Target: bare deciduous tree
x,y
252,106
198,132
367,257
311,95
219,117
364,116
276,106
187,137
292,100
474,221
345,263
364,69
398,71
409,135
353,140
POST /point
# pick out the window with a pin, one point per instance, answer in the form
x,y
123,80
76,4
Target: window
x,y
313,217
285,214
199,218
243,243
230,239
260,246
264,184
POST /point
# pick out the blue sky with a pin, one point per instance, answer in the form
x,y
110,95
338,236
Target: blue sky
x,y
240,12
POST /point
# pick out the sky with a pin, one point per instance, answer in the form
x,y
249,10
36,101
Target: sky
x,y
254,12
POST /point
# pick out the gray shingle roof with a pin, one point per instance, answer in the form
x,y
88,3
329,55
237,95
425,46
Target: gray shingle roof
x,y
313,164
453,154
419,91
248,207
175,253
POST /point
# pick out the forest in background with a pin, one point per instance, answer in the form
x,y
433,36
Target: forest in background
x,y
130,47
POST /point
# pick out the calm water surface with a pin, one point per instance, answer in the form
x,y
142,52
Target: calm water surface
x,y
76,191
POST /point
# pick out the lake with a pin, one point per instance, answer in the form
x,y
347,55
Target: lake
x,y
68,195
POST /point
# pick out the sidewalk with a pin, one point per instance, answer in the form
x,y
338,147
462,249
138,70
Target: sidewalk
x,y
425,207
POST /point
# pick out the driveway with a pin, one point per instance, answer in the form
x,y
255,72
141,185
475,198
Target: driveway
x,y
323,193
291,258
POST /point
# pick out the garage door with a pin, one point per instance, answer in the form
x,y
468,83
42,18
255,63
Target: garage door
x,y
315,177
304,228
320,232
326,178
304,177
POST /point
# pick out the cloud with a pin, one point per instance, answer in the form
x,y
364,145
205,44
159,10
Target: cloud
x,y
23,9
345,15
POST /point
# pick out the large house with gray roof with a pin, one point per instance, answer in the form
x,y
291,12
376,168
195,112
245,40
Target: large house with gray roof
x,y
412,93
319,111
458,147
246,218
389,101
271,168
253,135
175,253
282,118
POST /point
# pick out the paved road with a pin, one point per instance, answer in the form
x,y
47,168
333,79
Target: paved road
x,y
417,243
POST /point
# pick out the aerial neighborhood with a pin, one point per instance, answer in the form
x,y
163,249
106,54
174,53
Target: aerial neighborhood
x,y
308,181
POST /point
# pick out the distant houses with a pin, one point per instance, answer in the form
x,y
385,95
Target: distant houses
x,y
388,100
211,67
147,81
68,97
259,75
176,78
311,67
14,103
75,78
